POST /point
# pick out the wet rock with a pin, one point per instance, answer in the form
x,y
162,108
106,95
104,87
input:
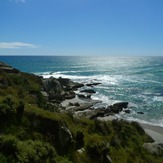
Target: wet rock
x,y
84,96
121,105
140,112
81,96
88,91
117,107
128,111
92,84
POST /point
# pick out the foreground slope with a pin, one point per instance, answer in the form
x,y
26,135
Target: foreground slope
x,y
32,128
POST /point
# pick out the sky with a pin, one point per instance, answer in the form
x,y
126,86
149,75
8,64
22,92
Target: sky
x,y
81,27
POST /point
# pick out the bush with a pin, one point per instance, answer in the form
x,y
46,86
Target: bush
x,y
97,148
20,109
26,151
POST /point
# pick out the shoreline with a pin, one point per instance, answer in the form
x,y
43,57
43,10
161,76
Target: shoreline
x,y
154,131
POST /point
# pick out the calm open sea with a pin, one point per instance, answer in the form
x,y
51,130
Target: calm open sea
x,y
138,80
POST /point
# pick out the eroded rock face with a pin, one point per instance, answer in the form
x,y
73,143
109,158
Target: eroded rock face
x,y
65,138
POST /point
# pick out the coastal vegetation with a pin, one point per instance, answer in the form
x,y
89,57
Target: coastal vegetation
x,y
33,129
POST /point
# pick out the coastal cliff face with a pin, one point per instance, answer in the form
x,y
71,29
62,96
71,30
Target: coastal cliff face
x,y
36,127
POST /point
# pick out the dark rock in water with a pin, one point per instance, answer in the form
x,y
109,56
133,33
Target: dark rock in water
x,y
69,84
140,112
89,96
92,84
88,91
128,111
117,107
84,96
81,96
121,105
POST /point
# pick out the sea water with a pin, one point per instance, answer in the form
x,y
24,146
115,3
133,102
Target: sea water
x,y
137,80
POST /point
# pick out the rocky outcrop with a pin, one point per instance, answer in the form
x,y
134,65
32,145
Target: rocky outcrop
x,y
8,69
60,89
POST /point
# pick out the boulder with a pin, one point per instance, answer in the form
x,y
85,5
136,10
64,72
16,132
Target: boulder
x,y
53,88
121,105
117,107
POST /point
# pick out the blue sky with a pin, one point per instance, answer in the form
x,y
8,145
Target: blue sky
x,y
81,27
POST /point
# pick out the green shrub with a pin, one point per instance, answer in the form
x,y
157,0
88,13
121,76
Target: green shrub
x,y
97,147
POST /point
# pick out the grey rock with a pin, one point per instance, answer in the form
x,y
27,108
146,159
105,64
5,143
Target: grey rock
x,y
65,137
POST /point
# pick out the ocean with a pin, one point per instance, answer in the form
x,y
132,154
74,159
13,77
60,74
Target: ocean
x,y
137,80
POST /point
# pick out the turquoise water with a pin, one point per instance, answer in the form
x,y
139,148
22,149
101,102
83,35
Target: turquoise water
x,y
138,80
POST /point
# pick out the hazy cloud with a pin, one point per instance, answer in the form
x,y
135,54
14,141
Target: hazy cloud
x,y
22,1
16,45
